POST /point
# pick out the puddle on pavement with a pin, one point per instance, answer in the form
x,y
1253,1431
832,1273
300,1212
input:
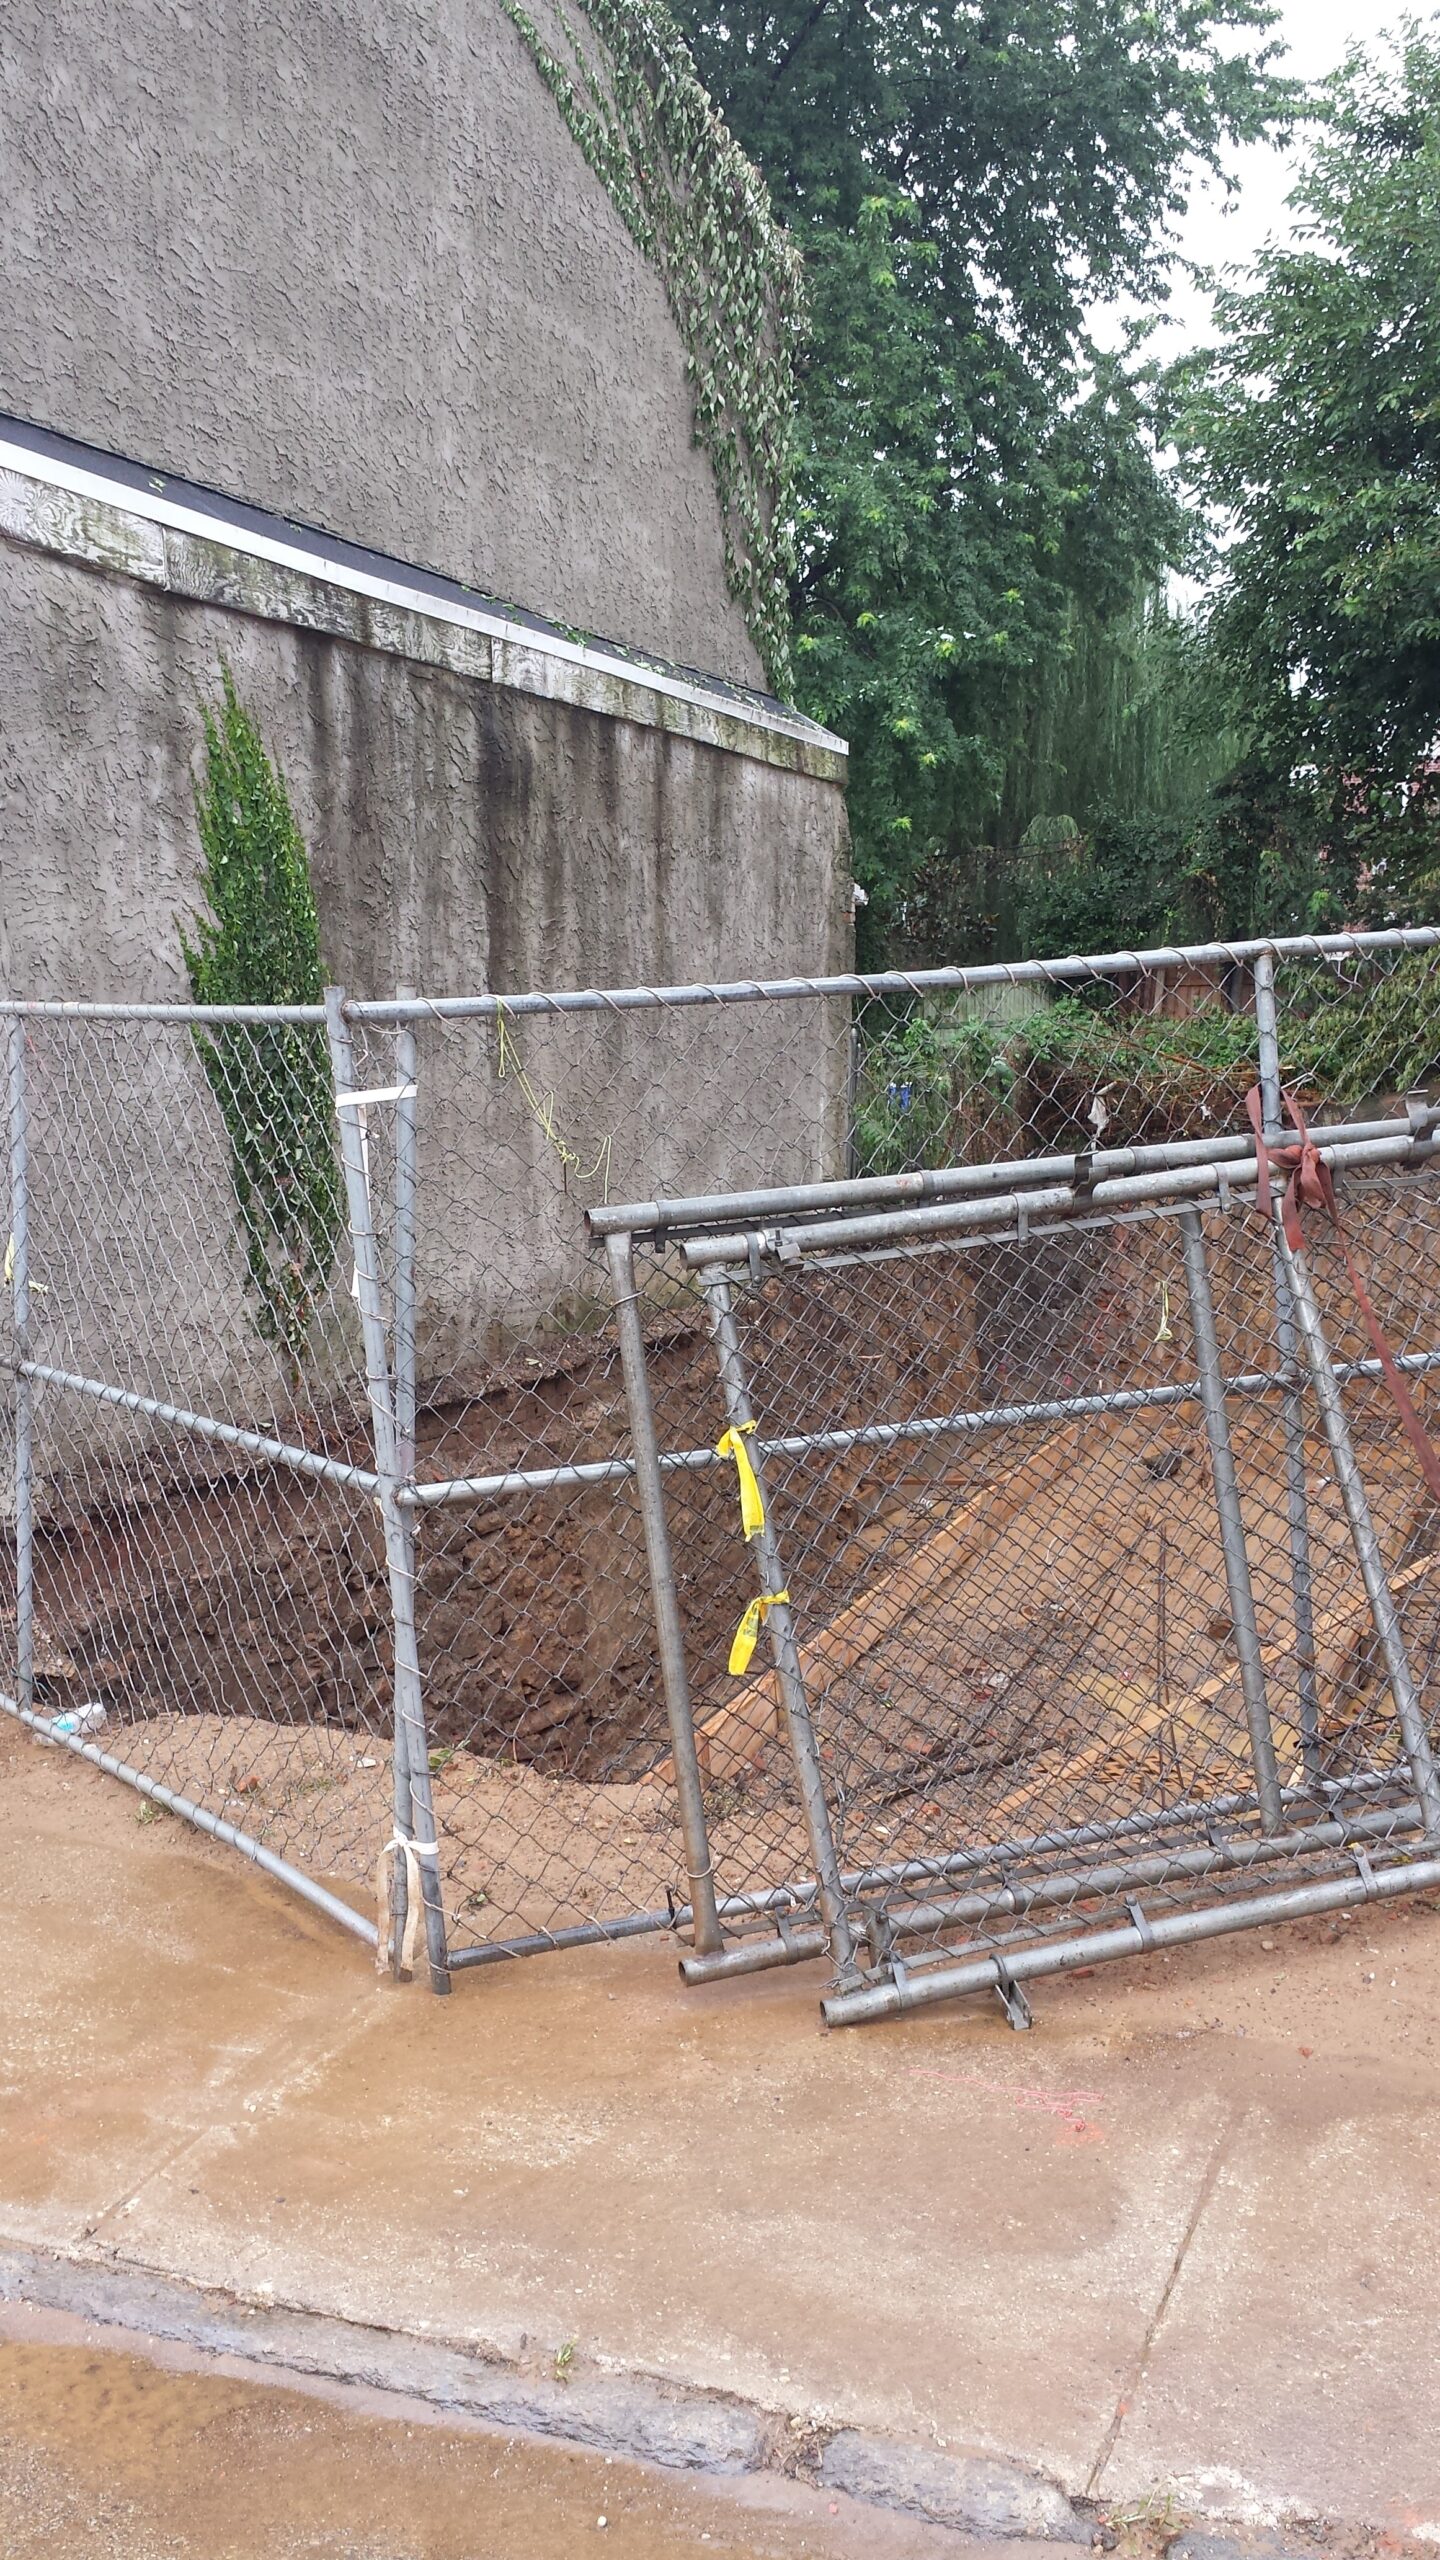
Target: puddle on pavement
x,y
163,2454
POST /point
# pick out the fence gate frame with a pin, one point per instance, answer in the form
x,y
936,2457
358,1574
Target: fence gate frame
x,y
1018,1199
407,1873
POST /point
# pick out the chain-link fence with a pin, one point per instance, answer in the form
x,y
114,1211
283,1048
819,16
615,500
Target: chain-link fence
x,y
369,1506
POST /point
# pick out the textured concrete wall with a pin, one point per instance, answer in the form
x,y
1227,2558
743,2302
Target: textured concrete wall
x,y
463,837
346,262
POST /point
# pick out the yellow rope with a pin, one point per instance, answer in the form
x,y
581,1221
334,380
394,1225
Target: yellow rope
x,y
542,1110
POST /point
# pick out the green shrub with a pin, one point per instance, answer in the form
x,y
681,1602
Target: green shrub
x,y
258,942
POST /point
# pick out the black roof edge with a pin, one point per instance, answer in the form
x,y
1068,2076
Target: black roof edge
x,y
238,516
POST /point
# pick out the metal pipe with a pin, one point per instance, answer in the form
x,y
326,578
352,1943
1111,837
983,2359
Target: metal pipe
x,y
406,1176
780,1628
1057,1205
1231,1518
880,1435
753,1955
409,1708
1044,1844
82,1009
669,1634
964,1181
1408,1709
257,1444
1105,1946
801,1897
210,1823
1080,968
909,1920
1297,1500
583,1933
402,1302
915,1920
24,1457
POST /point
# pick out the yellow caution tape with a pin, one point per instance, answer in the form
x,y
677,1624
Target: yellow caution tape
x,y
752,1509
1164,1334
743,1644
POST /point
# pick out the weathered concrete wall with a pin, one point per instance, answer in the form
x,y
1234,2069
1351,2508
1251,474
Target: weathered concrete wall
x,y
466,833
346,262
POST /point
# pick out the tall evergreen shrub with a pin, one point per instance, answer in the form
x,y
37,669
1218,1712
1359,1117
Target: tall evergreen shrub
x,y
257,942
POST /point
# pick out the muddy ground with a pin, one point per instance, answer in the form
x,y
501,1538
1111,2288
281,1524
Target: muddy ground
x,y
136,2451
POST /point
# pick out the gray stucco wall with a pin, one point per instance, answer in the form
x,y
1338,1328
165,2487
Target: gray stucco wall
x,y
466,834
346,262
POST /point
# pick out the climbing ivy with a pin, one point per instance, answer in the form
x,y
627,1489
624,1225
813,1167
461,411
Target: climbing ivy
x,y
259,943
701,214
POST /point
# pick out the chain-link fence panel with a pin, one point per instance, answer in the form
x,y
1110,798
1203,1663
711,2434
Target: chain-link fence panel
x,y
546,1713
200,1595
1095,1557
324,1428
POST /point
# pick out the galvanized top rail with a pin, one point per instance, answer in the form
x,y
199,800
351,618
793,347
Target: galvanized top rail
x,y
1077,969
1169,1186
963,1181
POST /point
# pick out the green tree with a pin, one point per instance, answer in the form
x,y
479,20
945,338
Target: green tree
x,y
1312,430
258,943
964,185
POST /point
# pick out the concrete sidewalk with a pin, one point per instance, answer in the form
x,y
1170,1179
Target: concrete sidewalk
x,y
1181,2239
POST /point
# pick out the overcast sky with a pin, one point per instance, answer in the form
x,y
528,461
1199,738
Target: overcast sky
x,y
1316,34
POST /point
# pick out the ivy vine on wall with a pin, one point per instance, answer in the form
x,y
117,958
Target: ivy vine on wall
x,y
701,214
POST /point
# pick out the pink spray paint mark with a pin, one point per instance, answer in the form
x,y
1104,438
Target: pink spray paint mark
x,y
1070,2107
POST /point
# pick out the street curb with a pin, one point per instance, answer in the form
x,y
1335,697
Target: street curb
x,y
994,2501
630,2416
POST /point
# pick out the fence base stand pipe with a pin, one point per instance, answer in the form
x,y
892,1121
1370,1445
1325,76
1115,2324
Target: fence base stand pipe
x,y
796,1899
928,1919
1106,1946
756,1955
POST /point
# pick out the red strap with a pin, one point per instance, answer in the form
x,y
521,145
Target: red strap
x,y
1309,1186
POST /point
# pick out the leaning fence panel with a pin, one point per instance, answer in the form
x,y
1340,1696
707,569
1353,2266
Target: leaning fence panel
x,y
1033,1528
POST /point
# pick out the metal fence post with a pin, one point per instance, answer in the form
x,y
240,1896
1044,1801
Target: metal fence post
x,y
402,1300
1232,1521
1297,1502
410,1739
1408,1709
708,1935
24,1405
780,1627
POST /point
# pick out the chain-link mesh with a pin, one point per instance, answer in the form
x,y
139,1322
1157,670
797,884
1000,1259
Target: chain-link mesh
x,y
215,1620
995,1493
1014,1622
